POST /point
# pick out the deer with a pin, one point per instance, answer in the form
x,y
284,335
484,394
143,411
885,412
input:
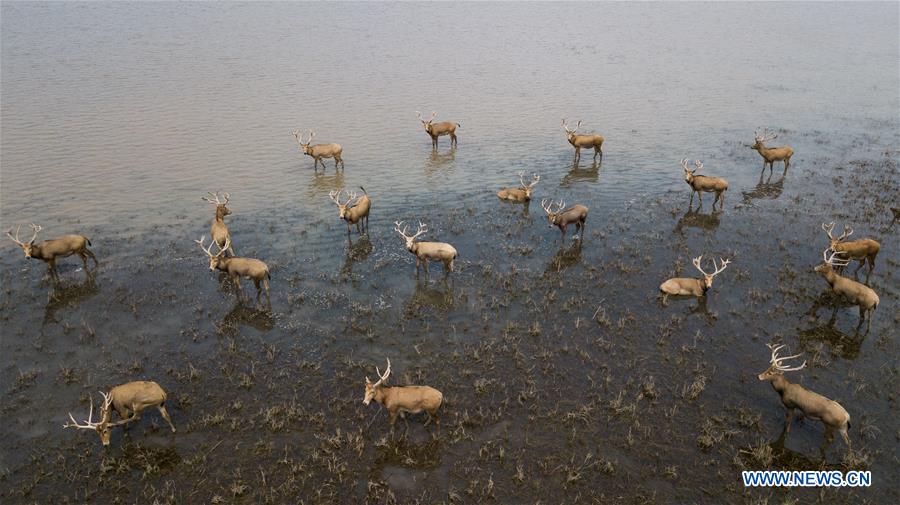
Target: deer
x,y
129,401
522,193
427,251
576,214
687,286
854,292
771,154
704,183
811,404
50,250
592,141
319,151
403,399
218,230
354,210
436,130
862,250
236,268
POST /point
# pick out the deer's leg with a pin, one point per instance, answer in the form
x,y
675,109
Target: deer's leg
x,y
265,283
789,418
846,437
425,264
453,141
258,289
577,153
392,417
434,140
597,152
165,414
237,284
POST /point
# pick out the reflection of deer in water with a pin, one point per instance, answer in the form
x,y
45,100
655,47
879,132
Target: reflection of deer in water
x,y
577,174
767,190
356,253
565,258
696,219
243,315
322,183
63,296
842,344
437,295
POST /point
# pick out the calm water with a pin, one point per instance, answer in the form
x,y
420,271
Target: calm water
x,y
116,119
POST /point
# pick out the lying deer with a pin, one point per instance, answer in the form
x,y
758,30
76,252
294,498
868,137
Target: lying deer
x,y
689,286
795,396
576,214
854,292
436,130
319,151
218,231
354,210
523,192
50,250
403,399
594,142
704,183
427,251
771,154
129,400
239,267
861,250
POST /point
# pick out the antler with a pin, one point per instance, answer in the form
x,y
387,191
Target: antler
x,y
336,197
207,250
215,198
548,208
765,136
383,377
15,239
828,228
90,424
684,165
718,269
776,361
847,232
831,260
566,126
696,261
698,164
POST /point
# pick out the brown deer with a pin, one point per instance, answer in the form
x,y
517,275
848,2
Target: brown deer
x,y
811,404
129,400
403,399
854,292
523,192
236,268
594,142
218,230
576,214
50,250
771,154
862,250
687,286
704,183
427,251
354,210
319,151
436,130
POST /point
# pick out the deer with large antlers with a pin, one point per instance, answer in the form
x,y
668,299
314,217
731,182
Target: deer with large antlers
x,y
319,151
218,230
523,192
427,251
50,250
236,268
129,401
771,154
591,141
862,250
403,399
704,183
811,404
556,216
686,286
436,130
855,292
354,210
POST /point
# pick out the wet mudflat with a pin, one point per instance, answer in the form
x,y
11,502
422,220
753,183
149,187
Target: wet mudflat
x,y
565,378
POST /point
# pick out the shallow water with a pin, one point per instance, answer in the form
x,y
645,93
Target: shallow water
x,y
116,119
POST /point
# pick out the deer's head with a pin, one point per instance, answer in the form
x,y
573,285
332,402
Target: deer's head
x,y
410,239
528,188
834,241
570,132
343,208
776,368
553,210
304,147
372,389
829,262
26,246
219,200
102,427
426,124
762,137
214,259
708,278
688,173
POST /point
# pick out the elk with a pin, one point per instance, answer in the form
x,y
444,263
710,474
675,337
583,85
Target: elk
x,y
811,404
436,130
218,230
856,293
704,183
862,250
427,251
236,268
319,151
403,399
576,214
354,210
594,142
129,400
771,154
50,250
689,286
523,192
